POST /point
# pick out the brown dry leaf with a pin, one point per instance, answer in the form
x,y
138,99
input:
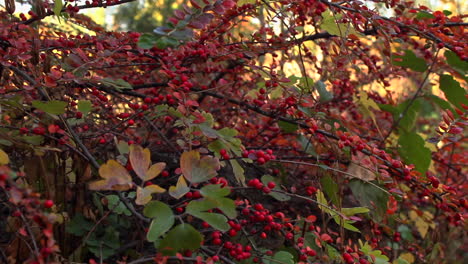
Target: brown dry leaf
x,y
196,169
115,177
361,172
141,160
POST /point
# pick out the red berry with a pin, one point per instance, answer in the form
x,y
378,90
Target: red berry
x,y
48,203
271,185
3,177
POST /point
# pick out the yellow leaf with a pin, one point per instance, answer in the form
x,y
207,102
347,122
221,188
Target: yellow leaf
x,y
155,170
3,158
422,223
140,159
180,189
143,195
368,106
243,2
115,177
408,257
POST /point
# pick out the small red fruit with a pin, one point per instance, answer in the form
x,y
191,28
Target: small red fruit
x,y
48,203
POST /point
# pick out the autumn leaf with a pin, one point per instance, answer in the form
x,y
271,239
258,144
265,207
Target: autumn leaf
x,y
141,159
180,189
3,158
196,169
115,177
143,195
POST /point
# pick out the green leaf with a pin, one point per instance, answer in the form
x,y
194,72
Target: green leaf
x,y
238,171
287,127
79,225
455,61
214,191
330,187
441,102
407,122
84,106
34,140
322,201
454,93
405,232
278,196
350,227
123,147
162,222
447,12
58,5
338,29
183,236
424,15
282,257
147,41
354,210
53,107
217,221
371,197
325,95
307,146
409,60
114,203
333,253
413,151
164,42
228,207
196,169
227,132
118,84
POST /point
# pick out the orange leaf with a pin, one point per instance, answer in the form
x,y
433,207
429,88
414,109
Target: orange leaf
x,y
140,159
155,170
115,177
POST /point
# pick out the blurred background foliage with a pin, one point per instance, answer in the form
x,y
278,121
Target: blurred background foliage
x,y
146,15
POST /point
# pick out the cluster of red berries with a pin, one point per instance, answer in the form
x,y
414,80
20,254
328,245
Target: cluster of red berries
x,y
224,154
259,155
238,251
257,184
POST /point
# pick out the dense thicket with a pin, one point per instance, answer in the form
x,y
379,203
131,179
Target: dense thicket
x,y
249,131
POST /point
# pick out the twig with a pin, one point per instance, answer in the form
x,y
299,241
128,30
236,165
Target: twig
x,y
31,234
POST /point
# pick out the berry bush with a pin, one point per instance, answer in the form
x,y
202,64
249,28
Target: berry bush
x,y
248,131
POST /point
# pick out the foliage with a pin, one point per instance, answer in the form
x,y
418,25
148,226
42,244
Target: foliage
x,y
247,131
